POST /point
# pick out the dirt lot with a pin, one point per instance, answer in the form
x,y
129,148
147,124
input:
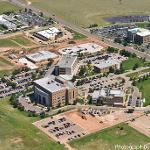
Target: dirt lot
x,y
74,124
91,124
142,124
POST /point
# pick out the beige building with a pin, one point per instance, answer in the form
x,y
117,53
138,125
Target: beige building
x,y
104,66
67,65
54,91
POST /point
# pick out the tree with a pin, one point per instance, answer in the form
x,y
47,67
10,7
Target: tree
x,y
25,9
112,50
82,71
42,114
135,66
117,40
41,14
111,70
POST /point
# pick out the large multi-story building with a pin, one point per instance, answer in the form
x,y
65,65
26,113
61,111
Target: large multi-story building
x,y
54,91
139,35
110,97
67,65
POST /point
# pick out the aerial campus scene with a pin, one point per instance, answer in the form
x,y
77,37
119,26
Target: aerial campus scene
x,y
74,75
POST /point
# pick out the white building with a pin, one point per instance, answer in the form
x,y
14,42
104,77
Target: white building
x,y
5,20
48,34
41,56
82,48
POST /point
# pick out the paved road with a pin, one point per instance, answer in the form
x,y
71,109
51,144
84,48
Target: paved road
x,y
82,30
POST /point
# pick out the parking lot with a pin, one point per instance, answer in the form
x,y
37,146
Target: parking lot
x,y
80,122
113,31
60,128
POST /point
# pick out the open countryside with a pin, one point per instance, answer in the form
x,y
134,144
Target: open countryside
x,y
7,7
87,12
74,74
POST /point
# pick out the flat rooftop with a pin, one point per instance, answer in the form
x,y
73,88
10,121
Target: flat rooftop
x,y
106,92
28,63
106,63
82,48
140,31
41,56
67,61
52,83
4,20
49,33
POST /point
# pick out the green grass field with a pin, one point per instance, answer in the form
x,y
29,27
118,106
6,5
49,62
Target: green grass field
x,y
15,42
22,40
86,12
108,138
7,43
18,133
78,36
6,7
144,87
129,64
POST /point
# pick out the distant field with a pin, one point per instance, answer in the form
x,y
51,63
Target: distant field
x,y
18,133
6,7
15,42
108,138
86,12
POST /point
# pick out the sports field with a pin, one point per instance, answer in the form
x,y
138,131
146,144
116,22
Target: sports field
x,y
15,42
18,133
6,7
106,139
86,12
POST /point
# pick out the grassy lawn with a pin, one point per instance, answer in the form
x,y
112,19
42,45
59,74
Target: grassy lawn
x,y
22,40
15,42
17,132
6,7
144,87
7,43
108,138
78,36
86,12
129,64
